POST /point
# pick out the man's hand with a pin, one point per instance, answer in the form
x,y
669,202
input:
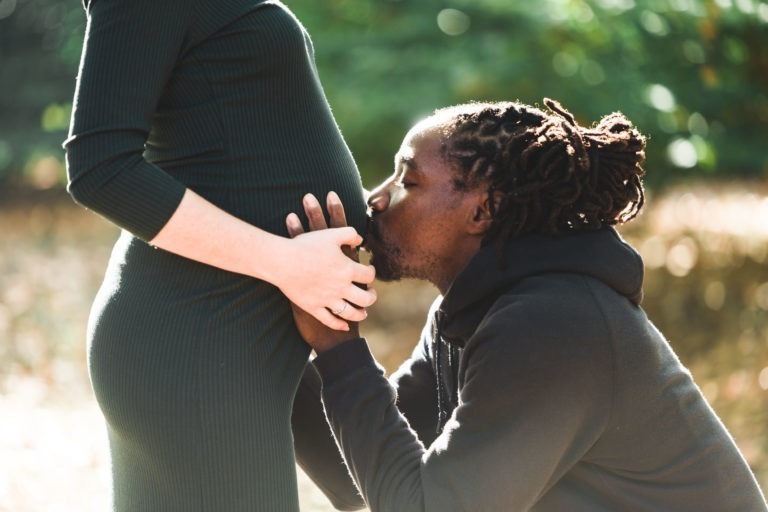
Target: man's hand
x,y
317,335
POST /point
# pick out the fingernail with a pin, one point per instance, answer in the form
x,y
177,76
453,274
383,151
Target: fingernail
x,y
333,197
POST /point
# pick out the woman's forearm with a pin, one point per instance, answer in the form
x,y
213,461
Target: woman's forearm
x,y
310,269
201,231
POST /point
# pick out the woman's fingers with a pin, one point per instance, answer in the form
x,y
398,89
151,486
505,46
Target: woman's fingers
x,y
314,213
355,301
360,297
363,274
350,312
329,320
347,236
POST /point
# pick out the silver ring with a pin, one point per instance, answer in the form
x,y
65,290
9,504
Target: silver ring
x,y
337,313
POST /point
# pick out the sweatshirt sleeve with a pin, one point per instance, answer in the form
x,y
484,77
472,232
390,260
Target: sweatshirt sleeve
x,y
416,389
316,450
531,405
129,53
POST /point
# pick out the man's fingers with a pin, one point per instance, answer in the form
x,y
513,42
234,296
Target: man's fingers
x,y
329,320
338,218
314,213
293,224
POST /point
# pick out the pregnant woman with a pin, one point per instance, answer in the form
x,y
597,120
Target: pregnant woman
x,y
197,126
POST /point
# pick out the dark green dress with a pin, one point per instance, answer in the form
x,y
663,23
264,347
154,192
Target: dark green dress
x,y
195,368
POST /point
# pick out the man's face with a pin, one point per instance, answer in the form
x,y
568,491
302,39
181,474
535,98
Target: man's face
x,y
418,217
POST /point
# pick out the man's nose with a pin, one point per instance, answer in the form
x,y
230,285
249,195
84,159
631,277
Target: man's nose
x,y
378,201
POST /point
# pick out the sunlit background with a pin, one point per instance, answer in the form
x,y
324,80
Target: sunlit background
x,y
692,74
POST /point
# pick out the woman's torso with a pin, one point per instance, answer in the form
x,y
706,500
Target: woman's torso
x,y
245,123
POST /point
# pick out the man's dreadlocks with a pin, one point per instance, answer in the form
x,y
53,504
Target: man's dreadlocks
x,y
544,172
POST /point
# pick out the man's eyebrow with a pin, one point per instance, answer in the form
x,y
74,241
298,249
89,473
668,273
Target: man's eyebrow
x,y
409,161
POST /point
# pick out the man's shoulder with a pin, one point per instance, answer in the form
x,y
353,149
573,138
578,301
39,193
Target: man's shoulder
x,y
547,309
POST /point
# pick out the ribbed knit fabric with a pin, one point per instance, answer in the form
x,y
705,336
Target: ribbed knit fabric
x,y
195,368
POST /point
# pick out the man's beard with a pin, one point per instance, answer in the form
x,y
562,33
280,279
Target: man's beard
x,y
386,257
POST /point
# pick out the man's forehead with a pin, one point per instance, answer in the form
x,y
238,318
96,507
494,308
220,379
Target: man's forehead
x,y
426,128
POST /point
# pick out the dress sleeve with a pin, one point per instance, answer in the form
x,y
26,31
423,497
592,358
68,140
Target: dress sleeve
x,y
129,53
529,408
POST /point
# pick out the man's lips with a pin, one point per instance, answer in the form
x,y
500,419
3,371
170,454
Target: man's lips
x,y
371,233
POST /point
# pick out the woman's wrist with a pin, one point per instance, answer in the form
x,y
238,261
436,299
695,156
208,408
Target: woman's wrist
x,y
267,255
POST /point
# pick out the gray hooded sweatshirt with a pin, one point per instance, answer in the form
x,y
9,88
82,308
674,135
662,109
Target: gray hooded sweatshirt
x,y
537,385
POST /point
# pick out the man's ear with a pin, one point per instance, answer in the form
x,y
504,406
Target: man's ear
x,y
481,215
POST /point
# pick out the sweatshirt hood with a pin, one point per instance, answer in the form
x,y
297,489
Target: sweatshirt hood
x,y
600,254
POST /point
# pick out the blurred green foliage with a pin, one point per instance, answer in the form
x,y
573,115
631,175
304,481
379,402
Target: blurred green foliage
x,y
692,74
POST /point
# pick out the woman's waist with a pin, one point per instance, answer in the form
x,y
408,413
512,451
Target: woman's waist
x,y
138,269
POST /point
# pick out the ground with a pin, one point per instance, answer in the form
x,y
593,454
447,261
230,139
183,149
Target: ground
x,y
55,456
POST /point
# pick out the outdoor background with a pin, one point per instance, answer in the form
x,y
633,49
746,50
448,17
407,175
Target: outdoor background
x,y
692,74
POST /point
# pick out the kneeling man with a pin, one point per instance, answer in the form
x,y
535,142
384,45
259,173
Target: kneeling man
x,y
538,383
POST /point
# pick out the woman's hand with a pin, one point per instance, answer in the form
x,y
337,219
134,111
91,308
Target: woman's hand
x,y
314,274
311,269
313,331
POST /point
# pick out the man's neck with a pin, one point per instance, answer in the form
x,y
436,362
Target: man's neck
x,y
444,282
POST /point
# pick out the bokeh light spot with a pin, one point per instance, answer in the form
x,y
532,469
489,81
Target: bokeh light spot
x,y
654,252
762,12
694,52
763,378
55,117
714,295
583,13
565,64
746,6
668,122
694,7
592,73
698,125
682,153
682,257
705,154
660,98
453,22
654,24
46,172
761,296
617,5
